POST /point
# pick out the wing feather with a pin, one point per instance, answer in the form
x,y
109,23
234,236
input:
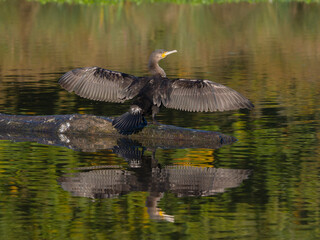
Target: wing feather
x,y
201,95
100,84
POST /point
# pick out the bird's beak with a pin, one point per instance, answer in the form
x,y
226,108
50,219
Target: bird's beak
x,y
168,53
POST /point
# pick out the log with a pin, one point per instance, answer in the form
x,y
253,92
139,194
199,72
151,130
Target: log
x,y
90,133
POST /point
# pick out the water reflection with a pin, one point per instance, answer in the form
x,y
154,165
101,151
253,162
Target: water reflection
x,y
144,174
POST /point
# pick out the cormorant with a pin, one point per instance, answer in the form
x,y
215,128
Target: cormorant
x,y
150,92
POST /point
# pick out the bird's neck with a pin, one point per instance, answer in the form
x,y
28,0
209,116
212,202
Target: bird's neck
x,y
155,69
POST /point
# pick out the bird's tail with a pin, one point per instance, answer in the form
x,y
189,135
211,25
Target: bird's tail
x,y
129,122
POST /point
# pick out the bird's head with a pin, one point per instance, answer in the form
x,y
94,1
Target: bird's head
x,y
159,54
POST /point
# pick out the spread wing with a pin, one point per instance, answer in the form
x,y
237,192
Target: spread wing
x,y
200,96
100,84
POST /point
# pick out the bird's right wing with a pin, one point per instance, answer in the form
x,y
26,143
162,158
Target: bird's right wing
x,y
100,84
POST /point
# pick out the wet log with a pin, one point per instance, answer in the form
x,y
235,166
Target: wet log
x,y
88,132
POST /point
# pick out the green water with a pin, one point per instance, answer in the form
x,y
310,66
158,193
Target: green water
x,y
264,186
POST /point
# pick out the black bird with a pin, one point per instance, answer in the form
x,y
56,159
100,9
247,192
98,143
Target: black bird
x,y
149,93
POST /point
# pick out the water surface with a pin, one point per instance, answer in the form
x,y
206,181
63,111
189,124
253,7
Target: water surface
x,y
264,186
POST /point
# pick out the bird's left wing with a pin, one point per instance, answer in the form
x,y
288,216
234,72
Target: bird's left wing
x,y
199,96
100,84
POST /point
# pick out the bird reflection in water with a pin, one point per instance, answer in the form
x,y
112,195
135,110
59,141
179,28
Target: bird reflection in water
x,y
151,92
146,175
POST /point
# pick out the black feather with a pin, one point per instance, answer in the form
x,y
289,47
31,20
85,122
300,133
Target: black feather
x,y
129,123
